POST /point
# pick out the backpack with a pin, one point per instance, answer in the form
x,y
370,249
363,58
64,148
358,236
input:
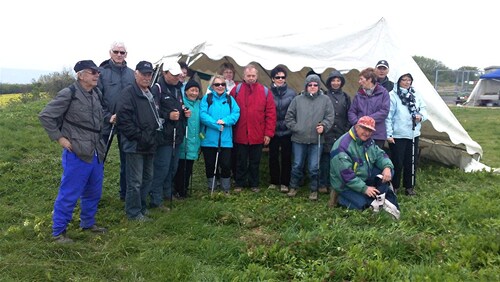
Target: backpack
x,y
210,97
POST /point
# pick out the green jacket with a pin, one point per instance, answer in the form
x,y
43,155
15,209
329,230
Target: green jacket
x,y
352,162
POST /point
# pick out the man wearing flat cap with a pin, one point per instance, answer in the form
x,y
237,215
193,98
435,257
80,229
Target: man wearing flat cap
x,y
360,172
138,122
381,70
79,134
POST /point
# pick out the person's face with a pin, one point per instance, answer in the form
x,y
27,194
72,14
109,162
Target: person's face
x,y
219,86
363,133
89,78
381,72
279,79
171,79
143,79
118,54
192,93
312,87
365,83
405,82
250,75
228,74
183,75
335,83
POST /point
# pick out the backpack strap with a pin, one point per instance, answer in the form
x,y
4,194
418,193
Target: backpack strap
x,y
238,87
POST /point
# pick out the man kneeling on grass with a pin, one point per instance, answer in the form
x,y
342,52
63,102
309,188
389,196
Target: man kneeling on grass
x,y
360,171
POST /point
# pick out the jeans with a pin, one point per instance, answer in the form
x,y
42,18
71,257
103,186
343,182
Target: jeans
x,y
139,177
300,153
80,180
280,149
324,172
165,167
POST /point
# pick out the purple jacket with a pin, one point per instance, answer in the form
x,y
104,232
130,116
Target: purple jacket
x,y
376,106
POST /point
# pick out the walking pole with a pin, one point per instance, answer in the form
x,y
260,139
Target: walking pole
x,y
108,144
185,160
173,155
319,155
216,160
413,153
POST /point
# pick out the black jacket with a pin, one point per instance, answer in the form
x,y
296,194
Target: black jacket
x,y
283,96
169,98
136,121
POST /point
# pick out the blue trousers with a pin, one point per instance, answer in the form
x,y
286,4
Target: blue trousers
x,y
165,166
80,180
301,152
139,177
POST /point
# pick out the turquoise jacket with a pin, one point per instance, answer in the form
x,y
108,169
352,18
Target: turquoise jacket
x,y
191,145
220,109
352,162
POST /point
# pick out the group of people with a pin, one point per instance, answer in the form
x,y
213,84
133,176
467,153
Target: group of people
x,y
162,127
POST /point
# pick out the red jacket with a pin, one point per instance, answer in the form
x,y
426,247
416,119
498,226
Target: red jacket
x,y
257,114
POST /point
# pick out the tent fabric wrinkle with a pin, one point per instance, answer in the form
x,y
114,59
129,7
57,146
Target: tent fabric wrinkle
x,y
349,48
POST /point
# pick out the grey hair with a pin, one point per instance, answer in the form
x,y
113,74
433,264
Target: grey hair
x,y
117,44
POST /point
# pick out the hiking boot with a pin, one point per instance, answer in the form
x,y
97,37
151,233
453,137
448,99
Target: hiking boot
x,y
272,186
323,190
292,193
238,189
313,196
95,229
62,239
333,199
410,192
284,189
255,189
227,194
141,218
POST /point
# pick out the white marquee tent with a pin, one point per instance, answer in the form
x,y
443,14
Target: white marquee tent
x,y
348,49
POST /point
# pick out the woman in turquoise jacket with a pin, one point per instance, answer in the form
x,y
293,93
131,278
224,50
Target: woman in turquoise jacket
x,y
407,112
189,149
218,113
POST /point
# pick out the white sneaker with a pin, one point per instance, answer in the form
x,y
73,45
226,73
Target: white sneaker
x,y
272,186
284,189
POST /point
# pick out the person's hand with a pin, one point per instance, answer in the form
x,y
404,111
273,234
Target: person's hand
x,y
112,119
371,191
221,123
267,139
187,112
386,175
319,128
418,118
174,115
391,140
64,142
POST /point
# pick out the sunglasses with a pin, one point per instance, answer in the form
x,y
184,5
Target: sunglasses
x,y
92,72
279,77
219,84
121,52
312,85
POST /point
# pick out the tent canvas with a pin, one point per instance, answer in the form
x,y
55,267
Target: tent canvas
x,y
488,84
348,49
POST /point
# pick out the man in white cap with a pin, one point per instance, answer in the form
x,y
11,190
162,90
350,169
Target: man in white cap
x,y
381,70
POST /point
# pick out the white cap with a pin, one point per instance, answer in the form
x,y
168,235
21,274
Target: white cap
x,y
172,67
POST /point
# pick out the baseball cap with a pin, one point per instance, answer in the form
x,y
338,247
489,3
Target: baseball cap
x,y
367,122
85,64
382,63
144,67
172,67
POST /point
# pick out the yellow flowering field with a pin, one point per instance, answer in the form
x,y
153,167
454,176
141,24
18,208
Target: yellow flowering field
x,y
5,98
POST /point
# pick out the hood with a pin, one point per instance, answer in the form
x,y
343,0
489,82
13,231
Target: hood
x,y
332,75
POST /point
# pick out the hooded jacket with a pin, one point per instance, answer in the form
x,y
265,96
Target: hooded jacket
x,y
257,114
190,149
341,103
283,96
375,105
112,80
399,122
304,114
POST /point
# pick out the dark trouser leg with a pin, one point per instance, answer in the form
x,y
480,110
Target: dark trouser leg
x,y
241,165
254,156
274,163
286,159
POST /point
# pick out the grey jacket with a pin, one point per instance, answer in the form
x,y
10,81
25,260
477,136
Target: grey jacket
x,y
77,117
304,114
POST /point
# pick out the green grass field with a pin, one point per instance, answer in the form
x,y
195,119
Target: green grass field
x,y
449,232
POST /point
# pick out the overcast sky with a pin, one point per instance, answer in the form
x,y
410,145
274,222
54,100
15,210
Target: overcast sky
x,y
52,34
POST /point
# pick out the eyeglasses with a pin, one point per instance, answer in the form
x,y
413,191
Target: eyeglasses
x,y
92,72
219,84
279,77
121,52
312,85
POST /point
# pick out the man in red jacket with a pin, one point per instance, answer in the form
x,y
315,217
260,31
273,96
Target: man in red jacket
x,y
254,128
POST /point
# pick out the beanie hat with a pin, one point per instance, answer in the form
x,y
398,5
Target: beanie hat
x,y
191,83
312,78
